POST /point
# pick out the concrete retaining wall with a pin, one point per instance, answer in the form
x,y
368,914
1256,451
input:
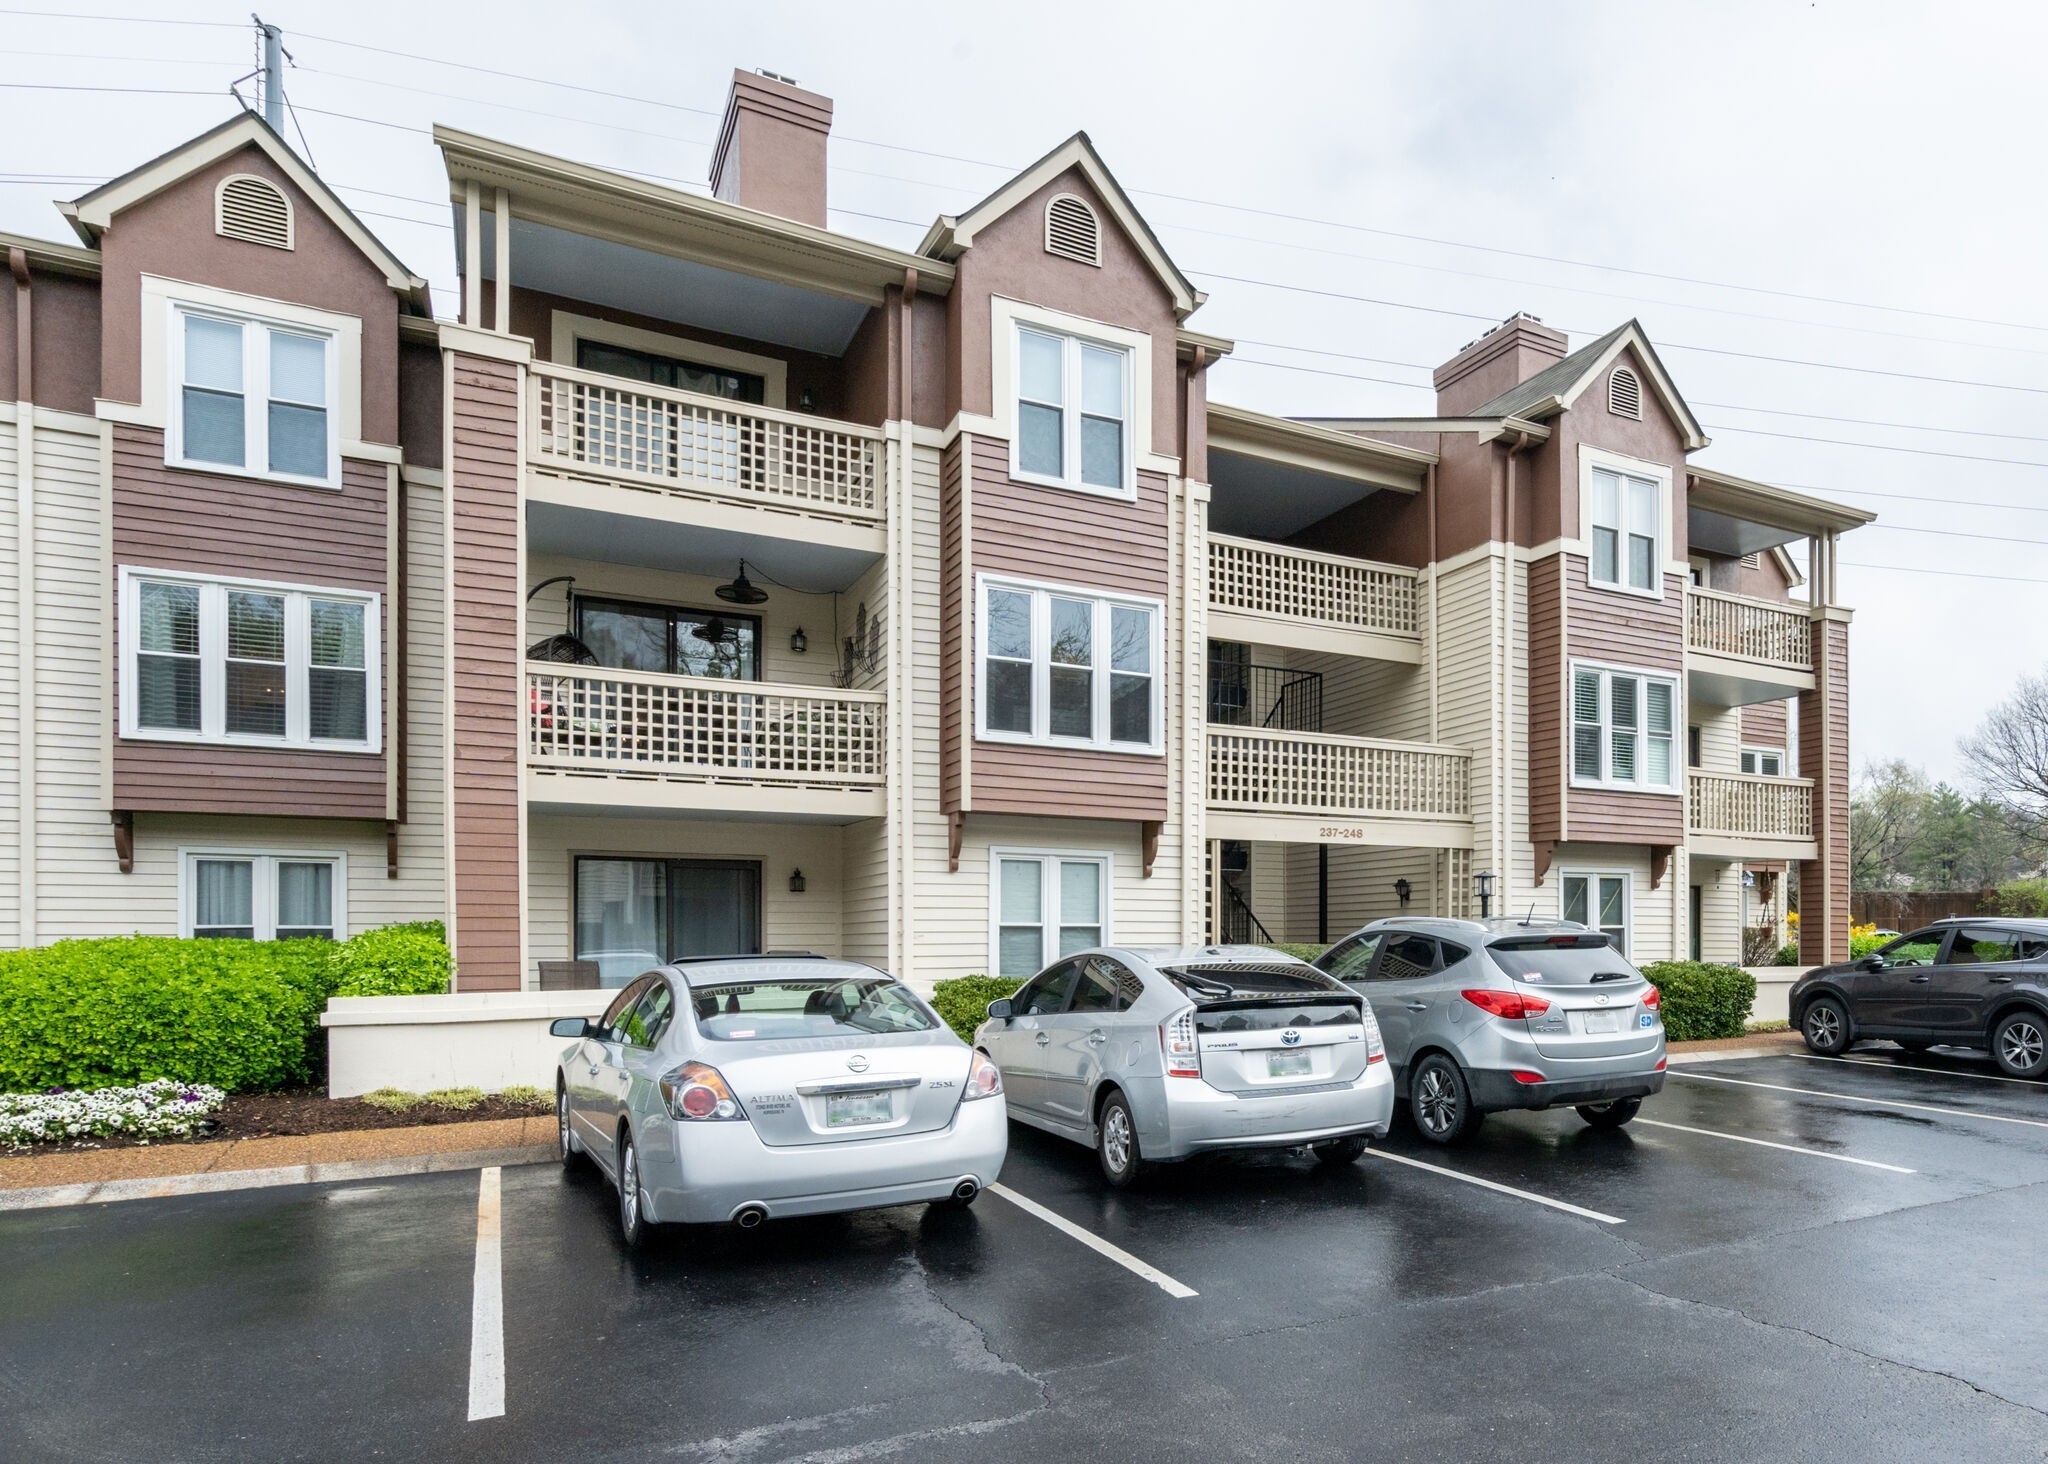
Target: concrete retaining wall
x,y
1773,984
479,1039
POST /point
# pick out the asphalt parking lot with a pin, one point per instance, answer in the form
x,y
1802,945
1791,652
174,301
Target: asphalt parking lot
x,y
1783,1258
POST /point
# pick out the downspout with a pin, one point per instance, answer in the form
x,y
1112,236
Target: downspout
x,y
1435,578
1507,700
899,711
25,599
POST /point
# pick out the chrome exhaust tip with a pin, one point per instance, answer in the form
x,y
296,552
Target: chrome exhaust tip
x,y
966,1190
749,1217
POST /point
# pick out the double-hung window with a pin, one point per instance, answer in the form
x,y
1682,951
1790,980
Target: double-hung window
x,y
1599,900
241,661
1069,668
1622,729
252,396
1046,905
239,896
1624,523
1073,412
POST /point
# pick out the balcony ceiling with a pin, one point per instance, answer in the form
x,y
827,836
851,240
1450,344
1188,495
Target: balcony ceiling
x,y
1725,514
1257,498
688,548
1272,476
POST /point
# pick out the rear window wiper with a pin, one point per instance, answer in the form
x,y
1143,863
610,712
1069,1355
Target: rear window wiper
x,y
1203,984
1611,976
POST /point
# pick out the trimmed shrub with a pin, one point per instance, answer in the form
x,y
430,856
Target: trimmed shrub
x,y
1864,939
1300,950
1701,1000
393,1100
2021,898
963,1001
239,1015
525,1095
394,960
1788,954
456,1098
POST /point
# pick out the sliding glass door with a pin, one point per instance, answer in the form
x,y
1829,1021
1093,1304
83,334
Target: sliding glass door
x,y
635,913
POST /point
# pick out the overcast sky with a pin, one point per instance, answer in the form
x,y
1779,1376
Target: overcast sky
x,y
1865,153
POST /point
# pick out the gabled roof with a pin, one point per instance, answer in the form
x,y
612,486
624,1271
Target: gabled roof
x,y
1555,388
951,235
93,213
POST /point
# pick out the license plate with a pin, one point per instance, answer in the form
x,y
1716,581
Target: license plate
x,y
1288,1064
1603,1021
849,1110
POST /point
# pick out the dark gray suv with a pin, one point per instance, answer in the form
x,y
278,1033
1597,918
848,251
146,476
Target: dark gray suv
x,y
1961,982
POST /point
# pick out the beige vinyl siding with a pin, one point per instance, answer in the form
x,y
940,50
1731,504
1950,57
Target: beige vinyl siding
x,y
1468,601
806,922
1720,736
421,890
871,590
1653,927
864,922
1720,883
928,925
1361,888
15,647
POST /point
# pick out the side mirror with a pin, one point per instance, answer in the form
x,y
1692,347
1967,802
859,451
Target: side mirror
x,y
571,1027
999,1011
1872,962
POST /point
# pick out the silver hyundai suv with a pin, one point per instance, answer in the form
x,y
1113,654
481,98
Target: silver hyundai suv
x,y
1484,1015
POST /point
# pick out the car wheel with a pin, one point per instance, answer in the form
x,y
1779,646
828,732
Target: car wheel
x,y
2020,1044
1116,1143
1440,1101
1610,1115
1826,1027
568,1148
633,1223
1341,1151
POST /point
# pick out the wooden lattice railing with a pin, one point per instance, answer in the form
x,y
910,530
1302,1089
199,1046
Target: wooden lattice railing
x,y
1272,579
1351,777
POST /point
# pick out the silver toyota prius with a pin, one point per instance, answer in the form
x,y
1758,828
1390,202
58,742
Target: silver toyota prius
x,y
747,1088
1156,1054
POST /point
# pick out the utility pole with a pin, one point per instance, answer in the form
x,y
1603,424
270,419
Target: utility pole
x,y
273,74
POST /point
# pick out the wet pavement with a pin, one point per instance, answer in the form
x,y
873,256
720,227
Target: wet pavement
x,y
1725,1283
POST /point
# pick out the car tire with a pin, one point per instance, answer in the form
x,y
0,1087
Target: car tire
x,y
1825,1026
1116,1143
568,1148
1610,1116
1341,1151
633,1222
1440,1101
2019,1044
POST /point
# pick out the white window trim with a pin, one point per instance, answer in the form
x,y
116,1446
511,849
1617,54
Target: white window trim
x,y
1593,878
255,395
567,328
1591,459
1679,749
263,884
1049,931
1071,412
1005,315
1041,665
1761,752
213,663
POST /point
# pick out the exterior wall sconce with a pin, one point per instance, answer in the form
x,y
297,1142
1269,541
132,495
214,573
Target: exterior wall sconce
x,y
798,642
796,881
1485,883
806,400
1402,890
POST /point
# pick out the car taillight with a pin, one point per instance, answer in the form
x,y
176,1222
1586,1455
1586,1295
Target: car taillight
x,y
984,1078
1510,1004
1177,1043
1652,1000
1660,1065
695,1092
1522,1075
1375,1045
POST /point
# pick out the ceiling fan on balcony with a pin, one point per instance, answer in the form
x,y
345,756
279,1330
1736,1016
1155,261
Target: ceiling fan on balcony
x,y
740,590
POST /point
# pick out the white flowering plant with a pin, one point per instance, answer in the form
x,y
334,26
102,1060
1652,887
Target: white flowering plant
x,y
161,1109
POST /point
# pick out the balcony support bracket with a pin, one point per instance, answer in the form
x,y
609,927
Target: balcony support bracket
x,y
124,839
391,848
1546,850
1660,864
956,835
1148,843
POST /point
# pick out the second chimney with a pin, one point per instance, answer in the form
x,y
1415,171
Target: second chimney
x,y
1504,357
771,148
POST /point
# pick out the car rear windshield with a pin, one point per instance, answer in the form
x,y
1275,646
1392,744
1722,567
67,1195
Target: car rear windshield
x,y
1268,1016
1222,981
1573,960
767,1011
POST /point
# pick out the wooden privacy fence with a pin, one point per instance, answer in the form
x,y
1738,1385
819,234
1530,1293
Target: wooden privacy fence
x,y
1911,909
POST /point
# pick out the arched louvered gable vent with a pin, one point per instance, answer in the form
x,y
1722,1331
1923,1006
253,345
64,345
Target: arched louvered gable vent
x,y
253,210
1625,394
1072,230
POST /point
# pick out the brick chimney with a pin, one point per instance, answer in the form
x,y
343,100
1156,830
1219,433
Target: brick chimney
x,y
771,148
1504,357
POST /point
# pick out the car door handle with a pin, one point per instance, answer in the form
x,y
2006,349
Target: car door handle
x,y
1416,1006
1998,980
1043,1038
593,1072
1097,1037
1921,980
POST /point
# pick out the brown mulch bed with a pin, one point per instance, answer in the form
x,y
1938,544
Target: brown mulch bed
x,y
297,1111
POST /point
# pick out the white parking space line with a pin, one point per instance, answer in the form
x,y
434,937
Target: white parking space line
x,y
1096,1243
1871,1062
1856,1098
1504,1189
1771,1144
487,1309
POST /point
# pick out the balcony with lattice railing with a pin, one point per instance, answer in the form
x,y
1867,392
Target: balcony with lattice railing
x,y
1744,815
1277,595
1325,788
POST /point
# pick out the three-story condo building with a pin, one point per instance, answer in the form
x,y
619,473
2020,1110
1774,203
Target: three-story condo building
x,y
721,582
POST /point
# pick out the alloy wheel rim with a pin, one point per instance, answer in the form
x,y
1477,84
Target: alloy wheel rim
x,y
1116,1139
562,1122
2022,1044
629,1188
1823,1025
1439,1104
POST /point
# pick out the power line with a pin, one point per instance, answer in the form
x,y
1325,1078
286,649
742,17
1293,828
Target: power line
x,y
1968,457
503,106
131,19
2011,579
148,91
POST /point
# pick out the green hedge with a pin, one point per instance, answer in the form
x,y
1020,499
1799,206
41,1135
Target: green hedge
x,y
240,1015
964,1000
1700,1000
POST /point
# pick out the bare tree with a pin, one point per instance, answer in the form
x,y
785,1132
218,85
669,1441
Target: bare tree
x,y
2008,757
1884,823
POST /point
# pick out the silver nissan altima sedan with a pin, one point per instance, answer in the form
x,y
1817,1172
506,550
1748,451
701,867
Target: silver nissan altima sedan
x,y
747,1088
1150,1054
